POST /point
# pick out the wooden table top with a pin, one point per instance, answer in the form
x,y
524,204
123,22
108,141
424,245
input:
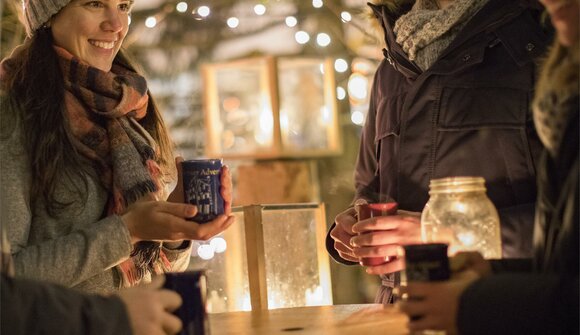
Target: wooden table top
x,y
368,319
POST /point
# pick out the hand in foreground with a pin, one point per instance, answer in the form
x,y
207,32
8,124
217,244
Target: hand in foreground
x,y
342,234
470,260
149,308
382,236
435,304
167,221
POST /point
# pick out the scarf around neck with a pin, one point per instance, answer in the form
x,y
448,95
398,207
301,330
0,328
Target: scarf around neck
x,y
425,31
556,97
102,110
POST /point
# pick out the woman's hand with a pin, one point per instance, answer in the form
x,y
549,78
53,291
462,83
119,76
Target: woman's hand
x,y
342,234
167,221
226,189
382,236
148,219
434,305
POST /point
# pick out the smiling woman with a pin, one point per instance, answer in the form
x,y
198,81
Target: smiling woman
x,y
100,28
86,160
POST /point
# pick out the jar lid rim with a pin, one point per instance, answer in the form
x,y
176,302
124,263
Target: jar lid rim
x,y
457,184
459,180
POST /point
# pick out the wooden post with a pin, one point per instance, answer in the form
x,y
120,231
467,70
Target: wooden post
x,y
256,257
323,258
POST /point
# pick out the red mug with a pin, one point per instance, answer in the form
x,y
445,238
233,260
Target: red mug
x,y
367,211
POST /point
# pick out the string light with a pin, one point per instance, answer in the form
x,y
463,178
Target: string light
x,y
340,65
340,93
233,22
150,22
203,11
218,244
323,39
357,86
357,117
302,37
205,251
181,7
259,9
345,16
291,21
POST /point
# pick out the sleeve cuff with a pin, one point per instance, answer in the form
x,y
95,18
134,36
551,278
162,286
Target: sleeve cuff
x,y
178,245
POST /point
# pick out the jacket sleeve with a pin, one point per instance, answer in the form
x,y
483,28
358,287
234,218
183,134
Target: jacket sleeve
x,y
177,253
74,256
179,256
366,179
520,304
31,307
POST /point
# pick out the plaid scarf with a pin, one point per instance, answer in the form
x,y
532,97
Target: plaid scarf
x,y
102,109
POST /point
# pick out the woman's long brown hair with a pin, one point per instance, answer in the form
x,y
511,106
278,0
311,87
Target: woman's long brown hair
x,y
35,86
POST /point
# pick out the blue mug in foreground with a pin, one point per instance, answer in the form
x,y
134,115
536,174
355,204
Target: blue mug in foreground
x,y
201,187
192,287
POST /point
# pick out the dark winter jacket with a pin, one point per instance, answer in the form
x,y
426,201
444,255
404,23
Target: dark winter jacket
x,y
546,302
467,115
30,307
34,307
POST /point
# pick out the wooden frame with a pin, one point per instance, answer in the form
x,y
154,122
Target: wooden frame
x,y
256,256
249,84
258,108
256,251
264,248
316,104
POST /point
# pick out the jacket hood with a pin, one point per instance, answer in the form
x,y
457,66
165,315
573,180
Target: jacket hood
x,y
396,8
390,3
390,10
392,7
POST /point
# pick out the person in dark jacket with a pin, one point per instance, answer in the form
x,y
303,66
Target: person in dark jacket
x,y
545,301
33,307
450,98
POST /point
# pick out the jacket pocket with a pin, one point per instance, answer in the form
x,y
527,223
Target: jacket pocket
x,y
524,39
482,107
482,131
387,131
388,119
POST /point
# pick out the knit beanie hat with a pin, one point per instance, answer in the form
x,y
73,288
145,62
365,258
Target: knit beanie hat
x,y
38,12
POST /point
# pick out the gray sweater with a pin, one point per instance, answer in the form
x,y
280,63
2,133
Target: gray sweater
x,y
77,249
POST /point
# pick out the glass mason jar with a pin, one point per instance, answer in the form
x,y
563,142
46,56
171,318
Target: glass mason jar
x,y
460,213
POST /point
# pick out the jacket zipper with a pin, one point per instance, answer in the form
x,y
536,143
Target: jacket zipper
x,y
394,63
436,105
